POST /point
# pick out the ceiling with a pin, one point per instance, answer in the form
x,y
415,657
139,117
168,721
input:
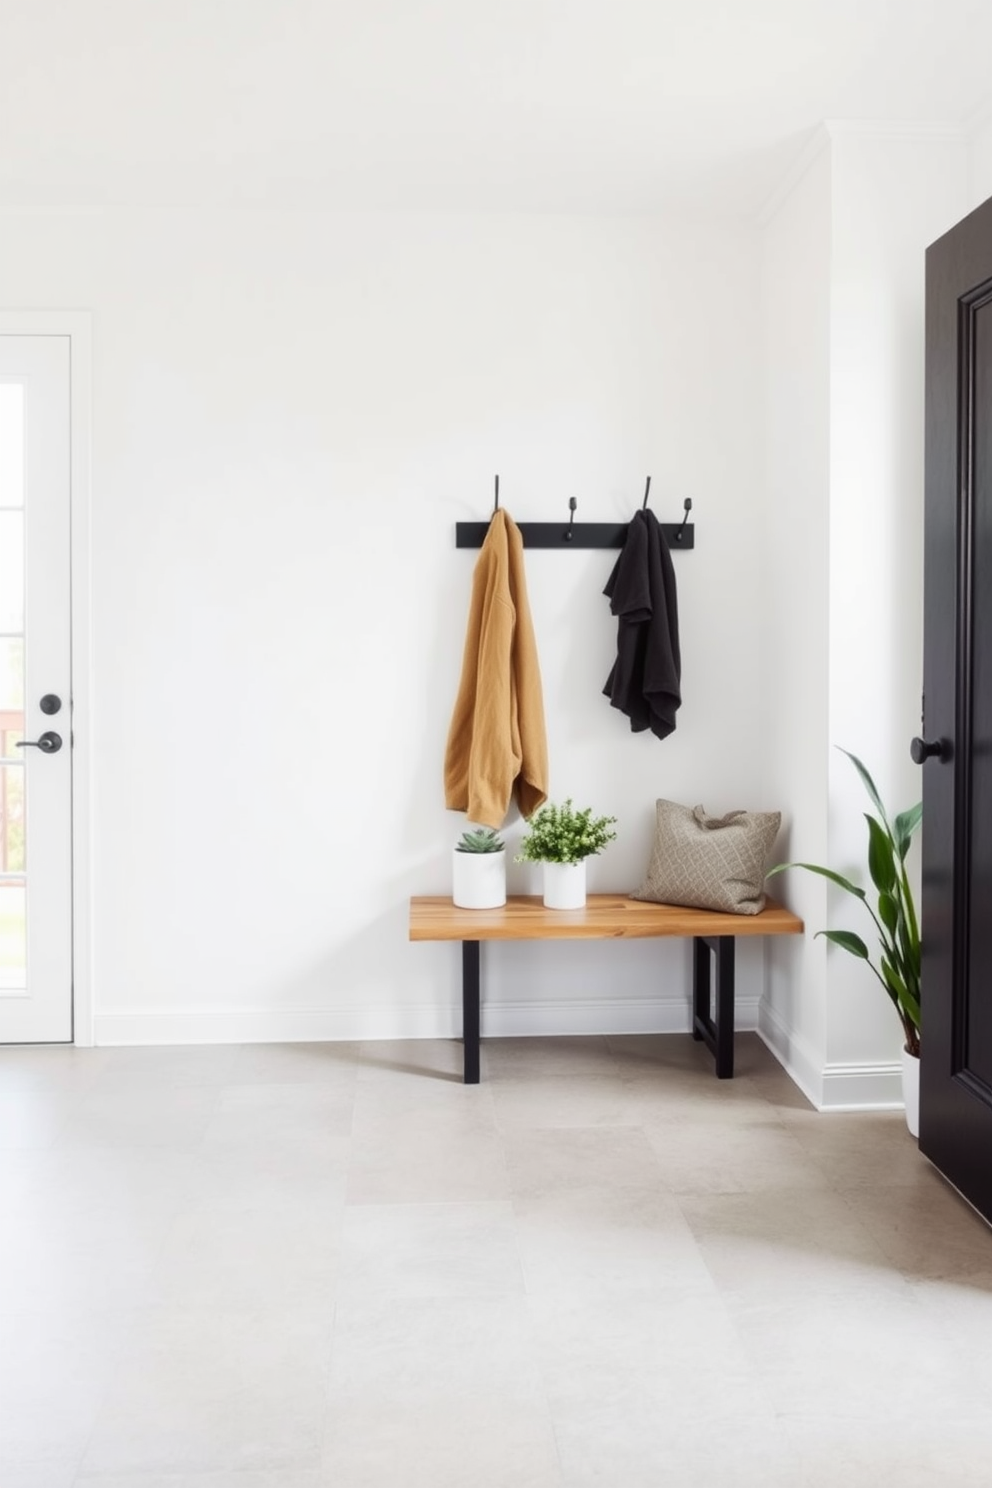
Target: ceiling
x,y
531,105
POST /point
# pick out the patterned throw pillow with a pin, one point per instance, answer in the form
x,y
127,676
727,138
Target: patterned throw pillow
x,y
710,862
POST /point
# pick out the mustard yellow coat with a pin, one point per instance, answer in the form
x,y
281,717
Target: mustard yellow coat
x,y
496,740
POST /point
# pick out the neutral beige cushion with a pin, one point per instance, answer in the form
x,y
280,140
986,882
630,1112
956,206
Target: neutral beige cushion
x,y
710,862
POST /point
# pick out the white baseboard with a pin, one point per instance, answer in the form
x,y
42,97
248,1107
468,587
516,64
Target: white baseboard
x,y
530,1019
831,1087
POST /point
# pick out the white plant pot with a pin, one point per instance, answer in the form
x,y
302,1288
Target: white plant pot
x,y
911,1091
478,880
565,885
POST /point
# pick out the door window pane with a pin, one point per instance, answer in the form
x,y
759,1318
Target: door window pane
x,y
11,571
11,674
11,444
13,938
12,819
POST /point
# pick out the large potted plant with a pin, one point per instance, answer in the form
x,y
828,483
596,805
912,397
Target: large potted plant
x,y
478,870
562,839
896,964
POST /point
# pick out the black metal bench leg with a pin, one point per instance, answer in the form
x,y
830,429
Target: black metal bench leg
x,y
723,945
716,1032
700,986
470,1010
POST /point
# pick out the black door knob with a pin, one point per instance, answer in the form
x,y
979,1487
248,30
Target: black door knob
x,y
49,742
50,703
924,749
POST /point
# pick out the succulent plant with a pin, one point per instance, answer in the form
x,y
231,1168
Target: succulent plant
x,y
482,840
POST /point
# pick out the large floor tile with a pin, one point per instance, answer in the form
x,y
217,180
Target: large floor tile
x,y
426,1159
926,1230
54,1371
279,1477
430,1250
634,1352
526,1058
432,1353
176,1064
482,1443
855,1354
885,1453
746,1156
786,1242
206,1388
562,1100
279,1116
594,1241
40,1474
385,1062
55,1066
172,1117
32,1116
545,1160
650,1445
281,1064
860,1149
230,1250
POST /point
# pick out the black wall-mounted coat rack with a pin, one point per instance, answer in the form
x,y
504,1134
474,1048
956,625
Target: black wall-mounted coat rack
x,y
578,534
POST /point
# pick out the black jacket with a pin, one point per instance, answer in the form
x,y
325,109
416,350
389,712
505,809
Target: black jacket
x,y
644,682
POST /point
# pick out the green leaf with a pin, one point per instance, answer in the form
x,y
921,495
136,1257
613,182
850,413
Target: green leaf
x,y
843,883
888,912
868,783
847,940
905,825
881,856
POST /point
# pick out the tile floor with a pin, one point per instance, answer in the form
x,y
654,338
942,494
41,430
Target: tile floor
x,y
335,1266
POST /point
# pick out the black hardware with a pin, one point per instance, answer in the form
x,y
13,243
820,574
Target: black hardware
x,y
924,749
569,532
584,534
687,508
647,492
50,703
49,742
496,498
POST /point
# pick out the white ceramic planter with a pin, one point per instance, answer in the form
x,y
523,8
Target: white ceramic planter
x,y
911,1091
478,880
565,885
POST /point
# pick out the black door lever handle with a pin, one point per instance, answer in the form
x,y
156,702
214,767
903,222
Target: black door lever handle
x,y
49,742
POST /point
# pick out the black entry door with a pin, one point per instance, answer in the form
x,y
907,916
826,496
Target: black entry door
x,y
956,1043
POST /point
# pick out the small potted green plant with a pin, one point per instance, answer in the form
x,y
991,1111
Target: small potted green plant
x,y
896,923
562,839
478,872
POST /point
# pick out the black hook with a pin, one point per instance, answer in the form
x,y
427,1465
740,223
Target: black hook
x,y
647,488
572,504
496,501
687,508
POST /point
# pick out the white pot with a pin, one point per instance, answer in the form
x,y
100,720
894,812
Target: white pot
x,y
565,885
478,880
911,1091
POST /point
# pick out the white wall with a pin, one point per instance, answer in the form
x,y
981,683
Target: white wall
x,y
980,162
794,588
893,194
290,413
844,291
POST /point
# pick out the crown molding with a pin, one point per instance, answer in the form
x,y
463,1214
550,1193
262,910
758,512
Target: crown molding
x,y
908,129
794,173
940,131
980,115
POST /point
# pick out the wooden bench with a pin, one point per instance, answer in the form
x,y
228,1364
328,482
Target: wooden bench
x,y
605,917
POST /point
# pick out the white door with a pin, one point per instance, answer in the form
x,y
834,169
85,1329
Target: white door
x,y
35,699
